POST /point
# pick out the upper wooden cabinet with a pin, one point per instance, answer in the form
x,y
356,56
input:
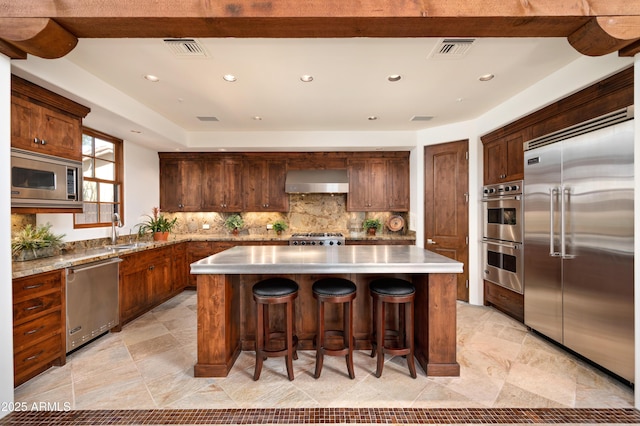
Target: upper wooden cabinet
x,y
378,184
180,184
45,122
504,157
222,189
263,183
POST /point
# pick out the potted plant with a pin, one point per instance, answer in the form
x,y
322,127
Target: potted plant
x,y
371,225
158,225
279,226
35,243
234,223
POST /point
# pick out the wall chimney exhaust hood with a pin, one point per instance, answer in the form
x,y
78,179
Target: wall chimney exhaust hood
x,y
317,181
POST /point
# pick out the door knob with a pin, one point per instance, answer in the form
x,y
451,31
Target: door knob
x,y
430,241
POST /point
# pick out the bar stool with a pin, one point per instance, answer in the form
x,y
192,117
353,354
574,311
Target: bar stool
x,y
399,292
273,291
335,290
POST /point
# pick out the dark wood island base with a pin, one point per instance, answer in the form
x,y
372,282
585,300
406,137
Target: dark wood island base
x,y
226,318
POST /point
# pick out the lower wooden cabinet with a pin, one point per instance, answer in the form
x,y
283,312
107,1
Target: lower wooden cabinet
x,y
38,324
146,280
504,300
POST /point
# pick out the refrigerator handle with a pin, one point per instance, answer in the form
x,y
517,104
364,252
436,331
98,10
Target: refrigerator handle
x,y
564,205
552,195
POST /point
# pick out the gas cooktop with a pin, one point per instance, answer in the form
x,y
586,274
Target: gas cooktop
x,y
317,239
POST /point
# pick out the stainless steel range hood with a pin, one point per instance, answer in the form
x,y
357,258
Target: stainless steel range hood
x,y
317,181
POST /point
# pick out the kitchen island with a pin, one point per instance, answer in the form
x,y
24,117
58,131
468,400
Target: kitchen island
x,y
226,316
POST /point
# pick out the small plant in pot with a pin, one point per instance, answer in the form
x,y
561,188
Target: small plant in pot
x,y
279,226
372,225
234,223
158,225
35,243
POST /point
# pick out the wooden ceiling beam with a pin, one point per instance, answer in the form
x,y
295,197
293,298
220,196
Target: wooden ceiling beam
x,y
603,35
42,37
51,29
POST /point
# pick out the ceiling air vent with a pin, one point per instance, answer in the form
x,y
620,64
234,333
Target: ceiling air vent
x,y
452,48
185,47
208,118
421,118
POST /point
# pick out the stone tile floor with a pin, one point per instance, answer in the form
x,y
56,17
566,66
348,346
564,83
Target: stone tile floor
x,y
149,366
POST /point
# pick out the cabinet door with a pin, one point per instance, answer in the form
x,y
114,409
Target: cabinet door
x,y
60,134
180,267
495,162
191,185
277,199
170,186
24,117
134,288
358,196
398,185
515,156
160,276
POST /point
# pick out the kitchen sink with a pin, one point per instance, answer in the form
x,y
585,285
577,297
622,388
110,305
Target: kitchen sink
x,y
127,246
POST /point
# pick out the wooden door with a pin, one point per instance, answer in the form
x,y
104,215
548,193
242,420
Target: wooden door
x,y
446,204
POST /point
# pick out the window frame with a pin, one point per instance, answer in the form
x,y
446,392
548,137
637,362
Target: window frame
x,y
118,179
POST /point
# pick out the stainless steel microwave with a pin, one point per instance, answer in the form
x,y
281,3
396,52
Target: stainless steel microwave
x,y
39,180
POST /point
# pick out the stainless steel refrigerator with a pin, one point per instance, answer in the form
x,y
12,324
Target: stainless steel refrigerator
x,y
578,240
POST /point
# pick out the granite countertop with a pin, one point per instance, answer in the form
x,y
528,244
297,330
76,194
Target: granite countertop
x,y
83,256
326,260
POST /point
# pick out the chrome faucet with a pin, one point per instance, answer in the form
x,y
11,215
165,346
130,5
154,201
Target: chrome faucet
x,y
115,221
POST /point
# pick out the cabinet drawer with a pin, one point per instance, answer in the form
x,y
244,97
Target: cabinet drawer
x,y
505,300
35,356
32,332
24,288
32,307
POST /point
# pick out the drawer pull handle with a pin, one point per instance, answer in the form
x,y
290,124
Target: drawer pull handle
x,y
35,330
32,357
31,287
31,308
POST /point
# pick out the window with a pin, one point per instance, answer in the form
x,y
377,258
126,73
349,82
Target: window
x,y
102,180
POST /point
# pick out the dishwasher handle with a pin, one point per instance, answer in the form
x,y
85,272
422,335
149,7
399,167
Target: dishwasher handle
x,y
83,268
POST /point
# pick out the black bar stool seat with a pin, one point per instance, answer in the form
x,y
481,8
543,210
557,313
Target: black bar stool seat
x,y
396,291
274,291
335,290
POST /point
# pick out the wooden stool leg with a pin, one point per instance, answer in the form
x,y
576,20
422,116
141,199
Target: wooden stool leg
x,y
374,337
259,341
289,356
320,339
409,343
380,336
348,336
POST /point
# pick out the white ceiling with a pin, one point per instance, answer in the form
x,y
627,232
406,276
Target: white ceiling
x,y
350,80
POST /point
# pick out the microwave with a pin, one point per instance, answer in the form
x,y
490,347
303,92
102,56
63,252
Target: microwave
x,y
40,180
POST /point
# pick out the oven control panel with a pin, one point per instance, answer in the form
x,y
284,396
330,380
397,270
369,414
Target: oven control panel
x,y
507,188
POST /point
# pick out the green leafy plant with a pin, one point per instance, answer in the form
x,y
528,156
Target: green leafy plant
x,y
157,222
35,238
372,223
234,221
279,226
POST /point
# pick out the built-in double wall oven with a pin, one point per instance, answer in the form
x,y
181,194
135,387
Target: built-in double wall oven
x,y
503,234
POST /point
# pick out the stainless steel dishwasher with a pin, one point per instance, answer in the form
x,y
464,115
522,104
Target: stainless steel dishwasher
x,y
92,301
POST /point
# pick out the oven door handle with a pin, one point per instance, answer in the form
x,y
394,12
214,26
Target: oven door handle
x,y
502,198
514,246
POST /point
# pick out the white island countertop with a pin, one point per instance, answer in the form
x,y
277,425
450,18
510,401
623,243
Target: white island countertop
x,y
357,259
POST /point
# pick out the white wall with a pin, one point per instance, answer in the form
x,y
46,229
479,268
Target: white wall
x,y
6,307
141,194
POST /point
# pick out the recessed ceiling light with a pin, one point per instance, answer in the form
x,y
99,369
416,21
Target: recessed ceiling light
x,y
152,78
257,118
394,77
135,131
230,78
372,118
486,77
306,78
